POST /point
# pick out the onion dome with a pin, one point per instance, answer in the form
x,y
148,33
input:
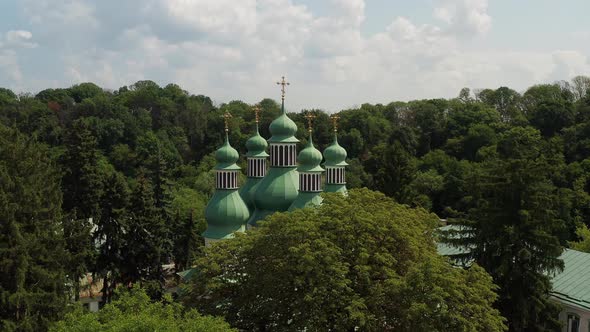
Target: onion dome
x,y
283,129
226,156
226,213
256,145
309,158
335,154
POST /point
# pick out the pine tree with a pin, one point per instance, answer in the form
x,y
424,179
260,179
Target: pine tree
x,y
144,236
109,233
32,282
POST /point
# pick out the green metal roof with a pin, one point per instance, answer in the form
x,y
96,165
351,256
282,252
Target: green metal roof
x,y
305,200
275,192
226,156
247,192
573,283
310,158
256,145
334,154
283,129
225,213
335,188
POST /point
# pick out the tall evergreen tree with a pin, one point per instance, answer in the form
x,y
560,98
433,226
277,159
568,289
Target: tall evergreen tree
x,y
513,229
187,242
32,282
109,233
82,185
145,235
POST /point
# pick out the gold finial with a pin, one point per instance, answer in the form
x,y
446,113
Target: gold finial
x,y
309,117
226,117
257,110
283,83
335,118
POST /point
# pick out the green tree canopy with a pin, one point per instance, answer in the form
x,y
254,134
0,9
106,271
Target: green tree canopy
x,y
356,262
133,311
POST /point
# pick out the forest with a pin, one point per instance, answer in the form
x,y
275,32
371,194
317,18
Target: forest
x,y
115,183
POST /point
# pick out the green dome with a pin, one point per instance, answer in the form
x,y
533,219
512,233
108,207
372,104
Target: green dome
x,y
306,200
283,129
225,213
334,154
309,158
276,192
256,145
247,192
226,156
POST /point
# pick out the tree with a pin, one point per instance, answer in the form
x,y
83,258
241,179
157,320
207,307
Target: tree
x,y
109,235
361,262
583,244
133,311
513,229
82,184
144,236
393,169
32,254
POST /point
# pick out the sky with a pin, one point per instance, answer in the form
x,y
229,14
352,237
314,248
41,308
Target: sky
x,y
335,53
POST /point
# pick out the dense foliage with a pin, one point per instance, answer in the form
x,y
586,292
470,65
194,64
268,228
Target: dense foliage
x,y
357,262
133,311
136,162
32,247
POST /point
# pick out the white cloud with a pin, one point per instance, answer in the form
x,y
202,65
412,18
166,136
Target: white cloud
x,y
19,38
237,50
464,17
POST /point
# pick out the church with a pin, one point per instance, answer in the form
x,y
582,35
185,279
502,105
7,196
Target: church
x,y
292,181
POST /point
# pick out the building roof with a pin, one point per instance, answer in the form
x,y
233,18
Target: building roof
x,y
226,156
334,154
572,285
310,158
256,146
283,129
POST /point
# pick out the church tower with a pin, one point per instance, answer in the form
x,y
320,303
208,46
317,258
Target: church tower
x,y
310,174
335,162
279,188
226,212
256,156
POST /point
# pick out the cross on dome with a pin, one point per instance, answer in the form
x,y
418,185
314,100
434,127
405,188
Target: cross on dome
x,y
257,111
283,84
309,117
226,117
335,118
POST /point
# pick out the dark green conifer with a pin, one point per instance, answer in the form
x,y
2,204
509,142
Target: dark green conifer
x,y
32,282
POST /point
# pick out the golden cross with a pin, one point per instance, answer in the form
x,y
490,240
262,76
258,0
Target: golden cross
x,y
335,118
257,110
309,117
226,117
283,83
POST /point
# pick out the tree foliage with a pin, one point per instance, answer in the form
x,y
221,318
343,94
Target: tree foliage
x,y
133,311
32,249
357,262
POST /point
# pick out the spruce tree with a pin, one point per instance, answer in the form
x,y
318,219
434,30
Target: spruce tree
x,y
187,242
109,234
512,230
82,185
144,236
32,282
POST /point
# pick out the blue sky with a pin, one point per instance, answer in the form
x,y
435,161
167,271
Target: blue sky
x,y
336,53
